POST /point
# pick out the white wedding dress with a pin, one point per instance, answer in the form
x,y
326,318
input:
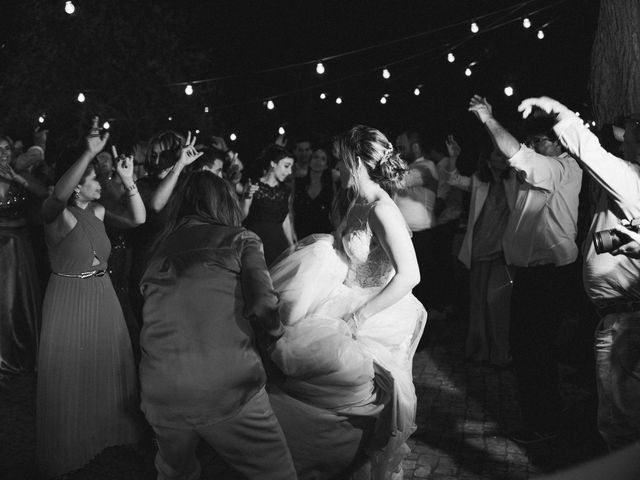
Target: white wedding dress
x,y
333,364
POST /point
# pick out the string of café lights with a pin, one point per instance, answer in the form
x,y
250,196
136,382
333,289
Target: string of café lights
x,y
320,69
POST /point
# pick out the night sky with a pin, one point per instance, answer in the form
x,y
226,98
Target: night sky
x,y
125,54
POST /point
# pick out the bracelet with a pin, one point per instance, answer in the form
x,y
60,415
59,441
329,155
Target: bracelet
x,y
356,322
133,194
131,187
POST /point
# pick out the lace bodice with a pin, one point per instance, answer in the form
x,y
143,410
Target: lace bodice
x,y
369,264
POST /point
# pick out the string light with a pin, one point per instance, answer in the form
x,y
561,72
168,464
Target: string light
x,y
323,96
233,137
386,73
526,23
383,99
474,28
197,132
339,100
319,68
508,90
468,72
416,92
69,7
451,57
206,109
106,125
281,131
540,34
170,118
81,97
41,119
188,90
270,105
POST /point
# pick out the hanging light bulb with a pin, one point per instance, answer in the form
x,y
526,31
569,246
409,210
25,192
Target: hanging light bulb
x,y
323,96
41,119
319,68
508,90
170,118
270,105
233,137
526,23
81,97
451,57
540,34
69,7
106,125
474,28
416,92
339,100
188,90
386,73
206,109
468,72
197,132
281,131
383,99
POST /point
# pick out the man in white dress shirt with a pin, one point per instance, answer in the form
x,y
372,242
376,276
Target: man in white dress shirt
x,y
540,242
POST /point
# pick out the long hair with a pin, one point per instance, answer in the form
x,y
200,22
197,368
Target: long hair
x,y
206,197
366,148
170,143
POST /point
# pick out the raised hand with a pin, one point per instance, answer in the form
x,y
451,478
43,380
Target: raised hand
x,y
481,108
124,165
95,141
281,140
453,148
189,154
40,137
250,189
548,105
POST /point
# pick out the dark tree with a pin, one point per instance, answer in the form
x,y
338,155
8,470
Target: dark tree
x,y
615,61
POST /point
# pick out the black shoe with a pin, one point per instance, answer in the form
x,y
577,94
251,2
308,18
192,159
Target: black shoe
x,y
524,436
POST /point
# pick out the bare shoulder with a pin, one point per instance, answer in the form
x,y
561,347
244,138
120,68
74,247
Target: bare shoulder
x,y
98,210
386,213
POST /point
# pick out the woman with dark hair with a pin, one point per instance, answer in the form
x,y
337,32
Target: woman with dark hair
x,y
351,323
313,197
268,207
493,191
200,373
19,283
87,395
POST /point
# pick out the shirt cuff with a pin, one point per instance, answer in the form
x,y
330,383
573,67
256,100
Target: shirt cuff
x,y
566,123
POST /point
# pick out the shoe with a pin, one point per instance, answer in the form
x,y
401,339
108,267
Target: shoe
x,y
525,436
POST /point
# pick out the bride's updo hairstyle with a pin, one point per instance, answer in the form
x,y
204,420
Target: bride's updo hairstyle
x,y
366,148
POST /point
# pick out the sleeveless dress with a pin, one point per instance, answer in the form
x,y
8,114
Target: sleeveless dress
x,y
87,391
335,365
19,289
268,211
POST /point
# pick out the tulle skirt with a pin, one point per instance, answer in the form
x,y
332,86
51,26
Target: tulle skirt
x,y
334,365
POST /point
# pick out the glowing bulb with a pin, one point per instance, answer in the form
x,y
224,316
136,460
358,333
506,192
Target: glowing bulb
x,y
339,100
281,131
206,109
69,7
508,90
188,90
474,27
451,57
468,72
386,73
383,100
323,96
41,119
526,23
320,68
81,97
540,34
416,92
271,105
170,118
106,125
197,132
233,137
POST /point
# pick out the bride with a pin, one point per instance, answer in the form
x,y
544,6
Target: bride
x,y
352,325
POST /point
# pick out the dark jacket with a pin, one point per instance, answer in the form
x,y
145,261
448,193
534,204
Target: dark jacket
x,y
201,288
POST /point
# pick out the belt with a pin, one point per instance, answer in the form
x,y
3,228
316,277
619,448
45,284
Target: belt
x,y
624,307
93,273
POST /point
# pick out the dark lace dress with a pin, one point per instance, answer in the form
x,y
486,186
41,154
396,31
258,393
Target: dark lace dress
x,y
20,297
268,211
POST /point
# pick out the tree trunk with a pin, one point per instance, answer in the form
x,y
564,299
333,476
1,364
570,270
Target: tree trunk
x,y
615,60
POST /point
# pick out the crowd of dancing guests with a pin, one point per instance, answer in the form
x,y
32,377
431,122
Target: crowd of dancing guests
x,y
276,320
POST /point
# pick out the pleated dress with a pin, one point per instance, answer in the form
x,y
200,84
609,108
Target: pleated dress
x,y
87,391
